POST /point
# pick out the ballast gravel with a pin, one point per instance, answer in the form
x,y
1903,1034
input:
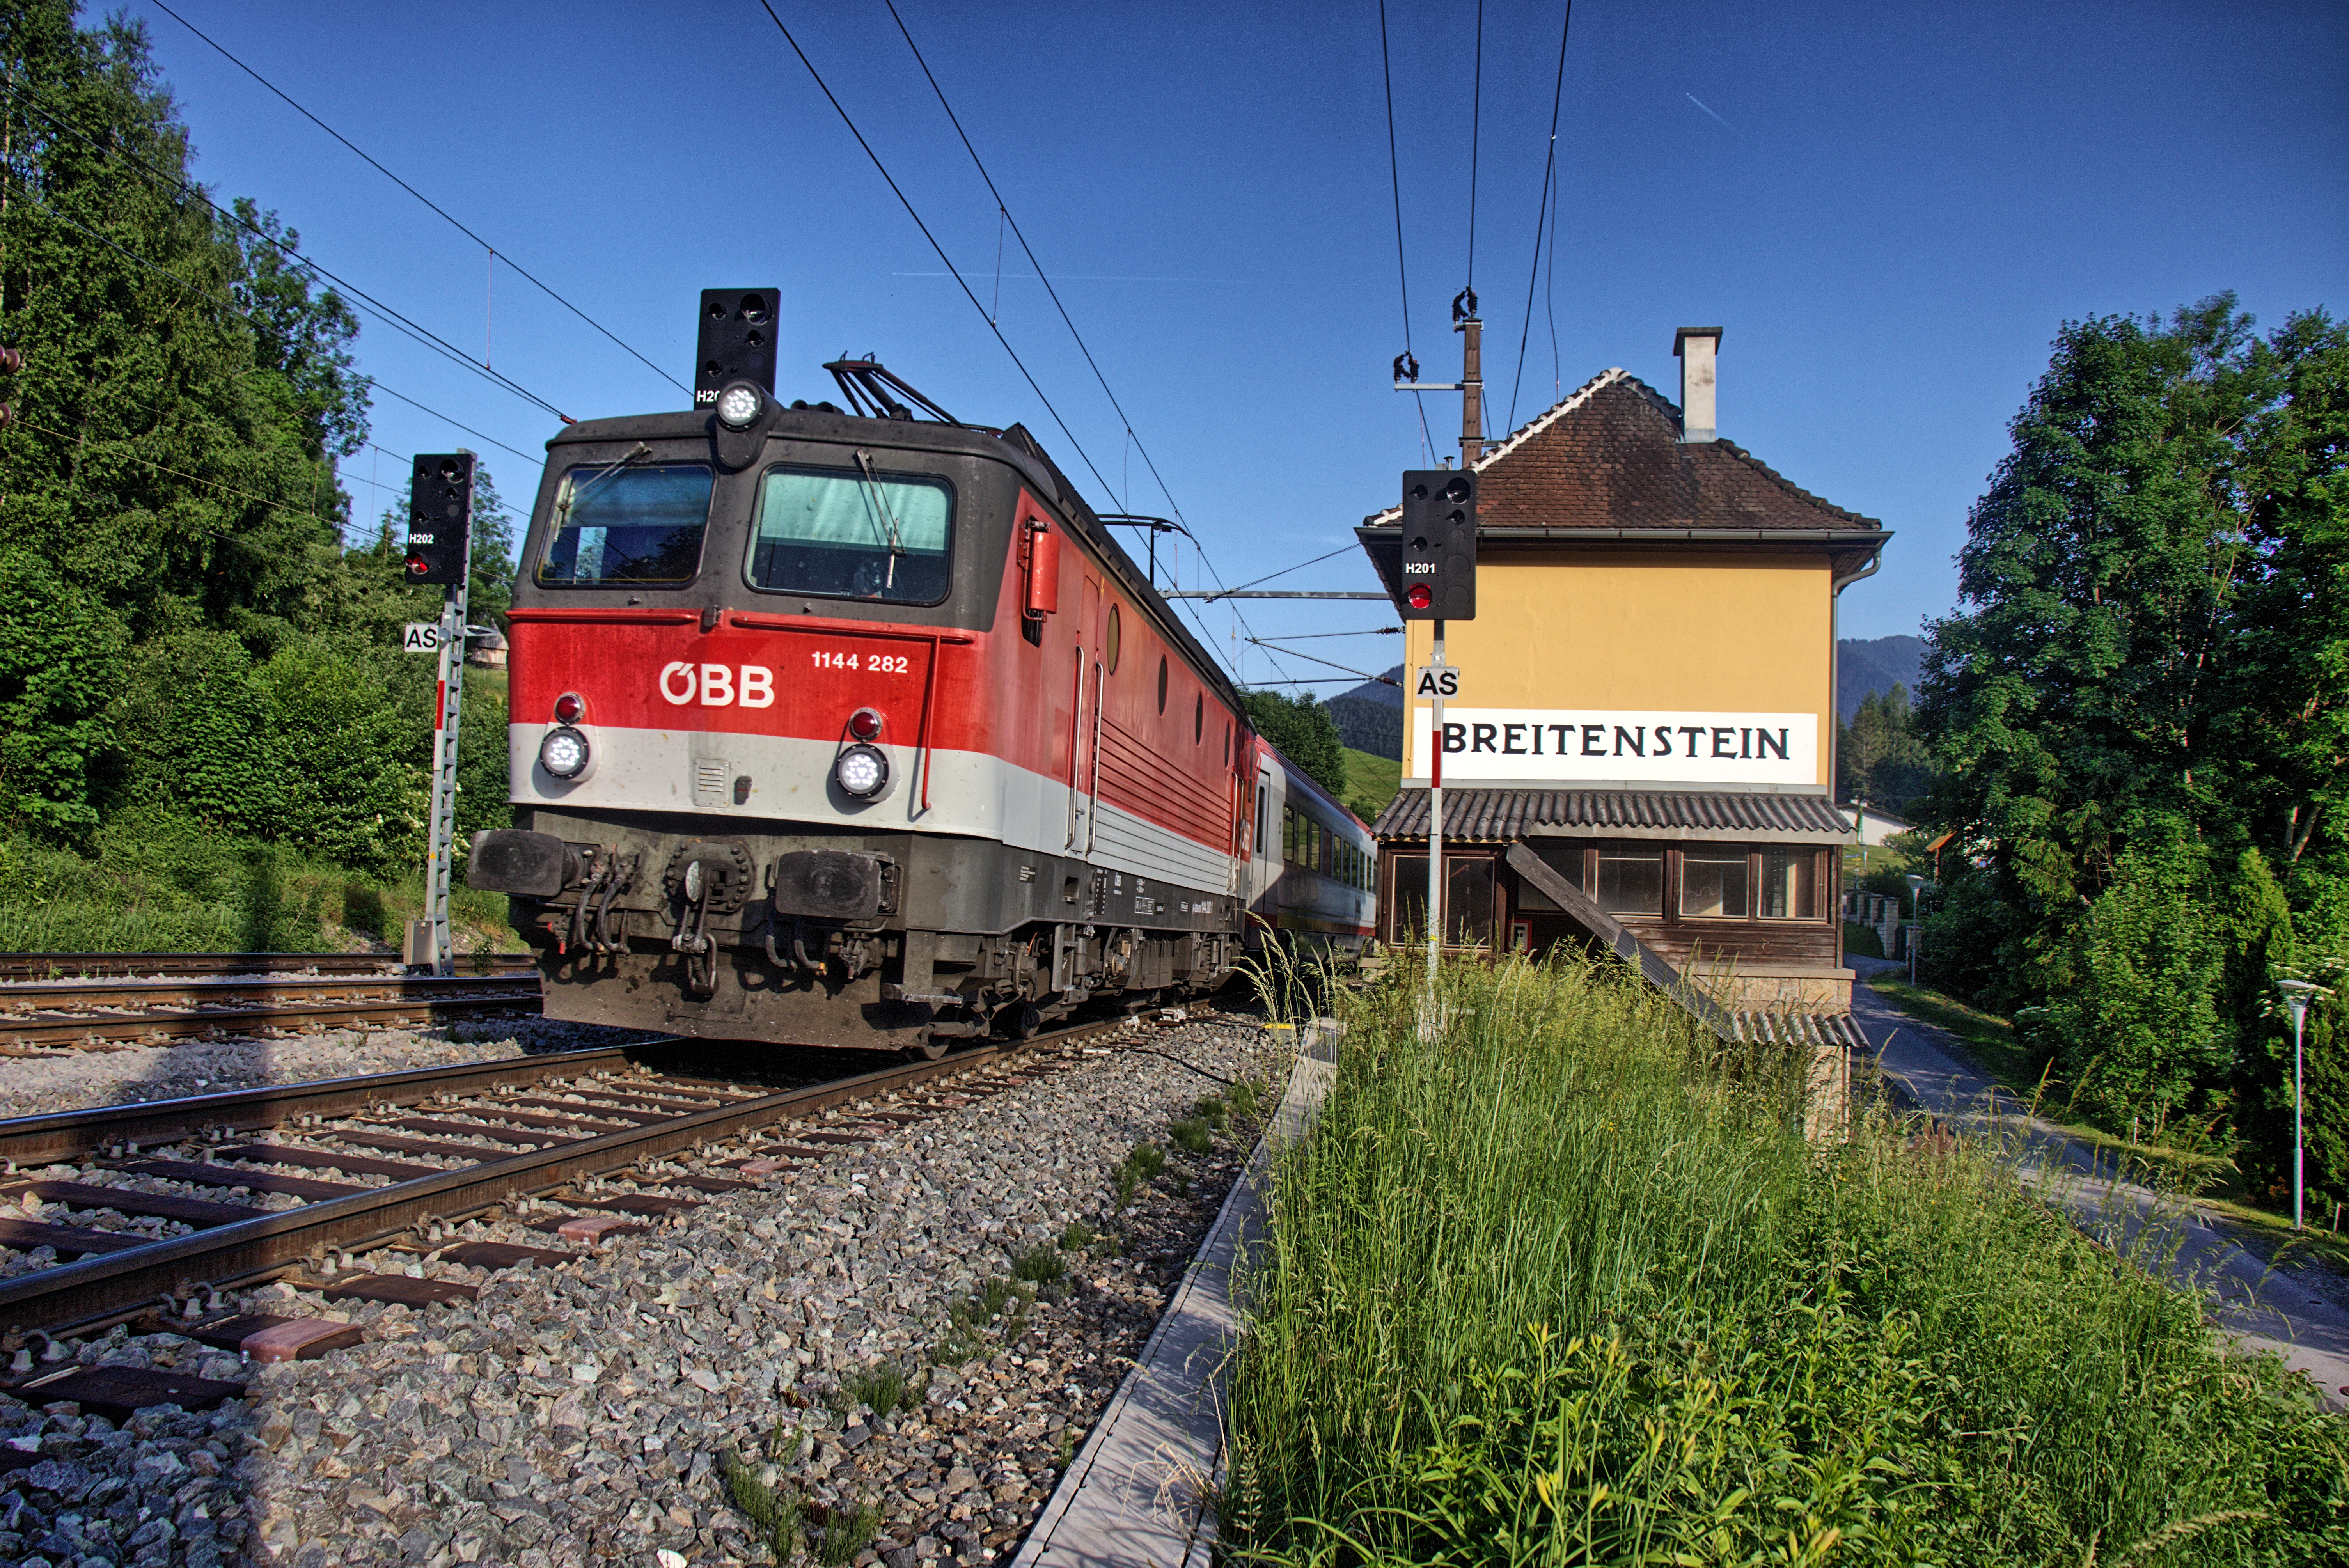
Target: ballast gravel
x,y
591,1413
124,1075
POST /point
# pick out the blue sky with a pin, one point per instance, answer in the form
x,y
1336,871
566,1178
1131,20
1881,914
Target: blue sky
x,y
1889,209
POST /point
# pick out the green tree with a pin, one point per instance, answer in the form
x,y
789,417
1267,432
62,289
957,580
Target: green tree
x,y
2140,708
1880,756
1303,731
61,669
185,391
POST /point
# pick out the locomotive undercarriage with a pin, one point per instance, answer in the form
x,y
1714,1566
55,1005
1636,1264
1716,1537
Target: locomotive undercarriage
x,y
857,940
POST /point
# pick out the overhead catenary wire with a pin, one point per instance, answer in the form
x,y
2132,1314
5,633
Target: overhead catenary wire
x,y
906,202
511,264
1402,269
1541,216
1004,210
1476,138
423,336
1349,669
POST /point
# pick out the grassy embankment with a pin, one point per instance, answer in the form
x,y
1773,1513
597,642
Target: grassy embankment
x,y
153,884
1567,1285
1370,783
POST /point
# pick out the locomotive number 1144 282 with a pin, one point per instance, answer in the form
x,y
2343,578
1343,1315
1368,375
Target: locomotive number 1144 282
x,y
873,664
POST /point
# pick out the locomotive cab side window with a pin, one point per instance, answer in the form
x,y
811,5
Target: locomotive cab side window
x,y
844,533
635,525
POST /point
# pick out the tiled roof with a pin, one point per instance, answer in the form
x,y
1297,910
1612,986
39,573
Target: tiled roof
x,y
1611,457
1800,1028
1502,816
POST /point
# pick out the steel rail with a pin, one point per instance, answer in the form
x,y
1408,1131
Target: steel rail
x,y
67,1134
18,1037
61,965
108,1286
44,995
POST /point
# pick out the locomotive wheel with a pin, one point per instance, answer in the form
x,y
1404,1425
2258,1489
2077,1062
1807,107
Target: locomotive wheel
x,y
927,1047
1019,1021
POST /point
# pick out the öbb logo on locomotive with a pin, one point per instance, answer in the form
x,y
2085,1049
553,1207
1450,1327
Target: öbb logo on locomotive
x,y
860,730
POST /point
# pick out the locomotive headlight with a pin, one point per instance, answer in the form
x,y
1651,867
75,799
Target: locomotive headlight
x,y
563,753
740,404
861,770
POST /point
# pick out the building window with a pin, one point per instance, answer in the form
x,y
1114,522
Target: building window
x,y
1631,882
1790,884
1713,882
1467,899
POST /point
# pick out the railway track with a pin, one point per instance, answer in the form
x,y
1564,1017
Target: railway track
x,y
149,1210
45,1014
65,965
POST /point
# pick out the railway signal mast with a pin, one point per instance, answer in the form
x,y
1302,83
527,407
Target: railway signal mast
x,y
439,539
1439,576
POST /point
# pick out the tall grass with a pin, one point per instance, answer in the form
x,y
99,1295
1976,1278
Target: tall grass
x,y
153,882
1564,1284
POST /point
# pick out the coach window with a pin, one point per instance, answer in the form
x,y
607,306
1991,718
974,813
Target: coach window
x,y
641,526
850,533
1260,803
1713,883
1790,884
1198,718
1161,683
1631,882
1111,639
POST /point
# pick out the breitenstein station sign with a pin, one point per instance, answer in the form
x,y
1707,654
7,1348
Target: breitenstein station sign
x,y
1538,746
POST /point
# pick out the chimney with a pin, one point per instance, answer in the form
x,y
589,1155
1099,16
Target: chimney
x,y
1696,347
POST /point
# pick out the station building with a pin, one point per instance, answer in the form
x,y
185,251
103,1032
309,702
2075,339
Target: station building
x,y
1646,699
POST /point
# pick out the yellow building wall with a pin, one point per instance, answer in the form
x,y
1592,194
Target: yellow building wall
x,y
1650,629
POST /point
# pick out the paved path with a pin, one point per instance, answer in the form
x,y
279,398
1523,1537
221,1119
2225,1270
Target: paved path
x,y
2261,1307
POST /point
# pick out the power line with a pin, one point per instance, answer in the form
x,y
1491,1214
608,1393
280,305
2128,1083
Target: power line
x,y
1308,658
1002,208
904,201
1550,173
1476,138
422,335
419,195
1402,271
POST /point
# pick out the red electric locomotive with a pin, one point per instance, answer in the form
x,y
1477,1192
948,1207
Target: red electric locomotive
x,y
862,731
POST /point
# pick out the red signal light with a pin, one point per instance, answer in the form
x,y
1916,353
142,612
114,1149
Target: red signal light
x,y
1421,596
568,709
417,566
865,723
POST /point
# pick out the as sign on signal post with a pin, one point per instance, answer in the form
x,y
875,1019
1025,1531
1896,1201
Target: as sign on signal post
x,y
421,637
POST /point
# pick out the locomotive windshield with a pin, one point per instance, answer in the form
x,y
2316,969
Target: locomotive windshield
x,y
623,524
851,533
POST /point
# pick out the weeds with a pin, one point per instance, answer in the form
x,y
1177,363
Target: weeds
x,y
775,1515
1041,1266
1247,1099
1191,1135
1077,1237
968,1322
1064,1448
845,1535
1214,1113
881,1388
1142,1166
